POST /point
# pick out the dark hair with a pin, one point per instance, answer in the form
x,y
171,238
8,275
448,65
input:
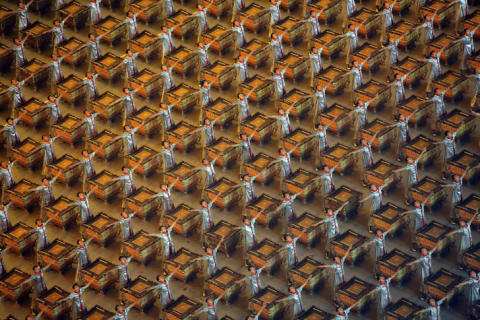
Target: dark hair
x,y
120,258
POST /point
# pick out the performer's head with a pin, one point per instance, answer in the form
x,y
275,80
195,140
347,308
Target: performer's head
x,y
124,214
291,289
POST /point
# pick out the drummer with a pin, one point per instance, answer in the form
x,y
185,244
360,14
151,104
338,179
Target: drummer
x,y
130,63
49,155
420,218
47,196
412,174
288,208
449,150
332,223
131,22
202,52
6,174
276,43
468,47
19,50
425,262
5,222
321,134
95,11
357,74
379,242
166,114
87,164
55,112
246,144
315,57
376,195
83,202
166,74
278,77
466,239
249,234
129,103
402,134
352,36
339,272
163,286
89,120
82,254
457,190
94,45
284,121
367,155
168,45
392,48
242,68
3,270
360,114
238,29
274,8
56,74
206,214
23,20
128,136
124,277
291,258
209,169
168,154
320,99
167,241
202,15
166,195
384,294
428,28
211,258
295,297
328,183
399,87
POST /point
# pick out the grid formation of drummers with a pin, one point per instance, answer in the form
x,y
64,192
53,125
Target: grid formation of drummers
x,y
268,68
